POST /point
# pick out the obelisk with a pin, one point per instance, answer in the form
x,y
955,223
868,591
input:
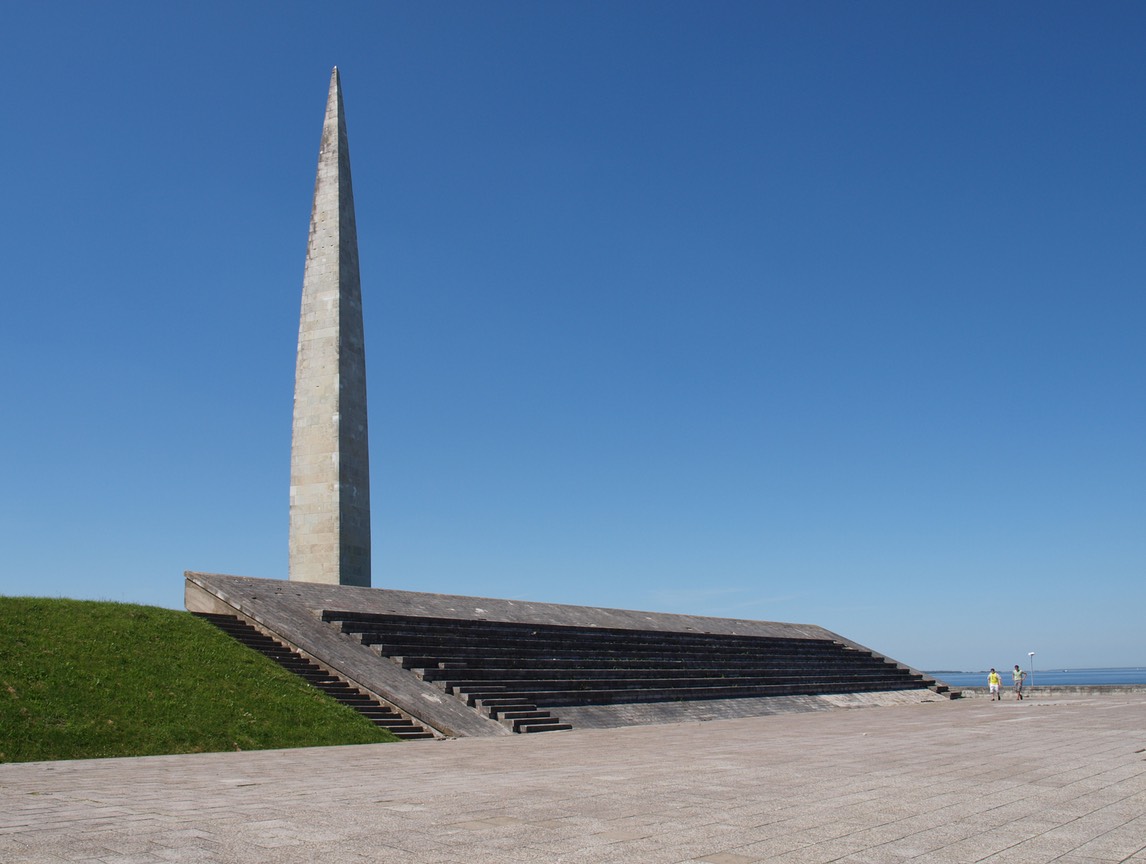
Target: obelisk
x,y
330,464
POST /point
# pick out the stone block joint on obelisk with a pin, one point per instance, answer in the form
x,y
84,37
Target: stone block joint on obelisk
x,y
330,465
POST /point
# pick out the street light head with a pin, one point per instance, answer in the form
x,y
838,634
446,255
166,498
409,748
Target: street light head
x,y
1030,653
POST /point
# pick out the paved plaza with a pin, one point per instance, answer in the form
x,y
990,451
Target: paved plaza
x,y
1047,779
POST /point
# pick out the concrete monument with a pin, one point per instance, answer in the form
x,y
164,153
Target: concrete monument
x,y
330,465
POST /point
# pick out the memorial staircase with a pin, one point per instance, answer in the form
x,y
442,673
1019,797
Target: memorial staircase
x,y
459,666
523,674
316,676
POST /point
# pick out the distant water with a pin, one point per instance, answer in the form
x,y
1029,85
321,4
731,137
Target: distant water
x,y
1050,677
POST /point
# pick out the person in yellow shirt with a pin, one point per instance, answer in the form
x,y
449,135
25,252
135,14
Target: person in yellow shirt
x,y
993,682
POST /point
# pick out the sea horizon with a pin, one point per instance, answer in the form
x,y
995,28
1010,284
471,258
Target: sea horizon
x,y
1056,677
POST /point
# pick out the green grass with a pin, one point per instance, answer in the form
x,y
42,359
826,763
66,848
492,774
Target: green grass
x,y
80,680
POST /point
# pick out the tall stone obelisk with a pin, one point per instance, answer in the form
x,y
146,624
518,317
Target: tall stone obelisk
x,y
330,464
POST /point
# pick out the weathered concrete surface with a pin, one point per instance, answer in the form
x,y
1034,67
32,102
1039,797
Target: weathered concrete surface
x,y
330,463
701,710
387,601
944,783
291,611
1059,691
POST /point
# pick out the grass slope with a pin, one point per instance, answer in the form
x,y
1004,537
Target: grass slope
x,y
80,680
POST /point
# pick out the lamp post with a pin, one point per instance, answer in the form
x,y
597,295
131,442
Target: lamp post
x,y
1031,655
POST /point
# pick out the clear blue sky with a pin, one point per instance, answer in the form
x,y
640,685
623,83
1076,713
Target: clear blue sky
x,y
813,312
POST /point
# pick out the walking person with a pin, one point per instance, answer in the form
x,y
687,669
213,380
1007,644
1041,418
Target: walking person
x,y
993,683
1018,675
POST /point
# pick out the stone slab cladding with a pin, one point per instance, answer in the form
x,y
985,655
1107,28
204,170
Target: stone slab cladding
x,y
330,464
299,614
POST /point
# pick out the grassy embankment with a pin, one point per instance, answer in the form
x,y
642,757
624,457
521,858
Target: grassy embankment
x,y
81,680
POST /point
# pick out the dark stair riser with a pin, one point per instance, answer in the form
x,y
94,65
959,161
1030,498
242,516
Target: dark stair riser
x,y
535,674
884,676
443,663
585,678
618,646
558,700
505,669
508,629
517,715
694,687
723,644
439,668
429,656
822,647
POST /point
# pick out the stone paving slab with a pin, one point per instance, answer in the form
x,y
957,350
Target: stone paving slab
x,y
1046,779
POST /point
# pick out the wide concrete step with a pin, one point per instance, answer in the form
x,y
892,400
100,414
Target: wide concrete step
x,y
500,706
541,671
520,715
543,724
720,643
530,686
505,630
600,644
422,656
404,730
377,713
558,699
512,672
479,665
685,688
604,636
